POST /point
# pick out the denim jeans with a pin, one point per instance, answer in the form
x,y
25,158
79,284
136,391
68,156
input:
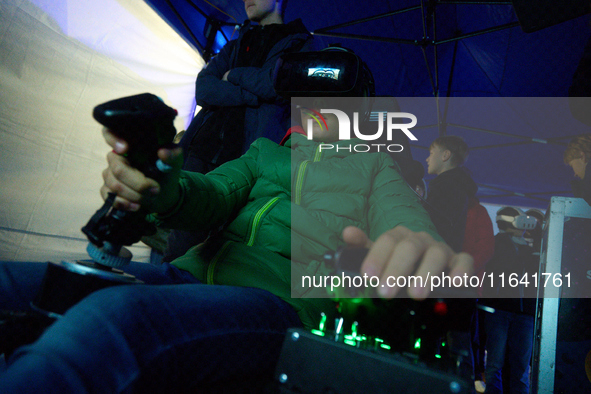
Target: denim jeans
x,y
172,334
511,335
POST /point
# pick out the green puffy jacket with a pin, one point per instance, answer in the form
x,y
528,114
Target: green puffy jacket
x,y
284,207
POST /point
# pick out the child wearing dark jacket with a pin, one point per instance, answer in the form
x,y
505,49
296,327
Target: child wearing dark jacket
x,y
450,192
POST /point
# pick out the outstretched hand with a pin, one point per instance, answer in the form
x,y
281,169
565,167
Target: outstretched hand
x,y
133,188
402,252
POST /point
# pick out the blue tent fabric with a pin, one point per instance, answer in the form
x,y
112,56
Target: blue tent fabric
x,y
509,167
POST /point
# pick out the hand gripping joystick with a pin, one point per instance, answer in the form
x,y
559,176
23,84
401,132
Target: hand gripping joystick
x,y
146,124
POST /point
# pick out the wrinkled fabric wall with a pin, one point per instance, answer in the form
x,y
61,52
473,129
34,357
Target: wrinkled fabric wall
x,y
58,59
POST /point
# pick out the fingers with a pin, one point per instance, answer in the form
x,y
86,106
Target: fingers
x,y
132,187
411,250
439,258
119,202
356,237
379,256
462,263
119,146
372,265
130,184
436,259
402,252
172,157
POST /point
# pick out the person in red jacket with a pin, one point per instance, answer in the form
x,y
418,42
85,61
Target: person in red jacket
x,y
479,239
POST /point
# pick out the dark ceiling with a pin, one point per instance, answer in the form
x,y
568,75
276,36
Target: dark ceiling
x,y
511,53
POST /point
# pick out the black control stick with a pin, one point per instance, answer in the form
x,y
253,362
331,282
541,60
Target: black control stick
x,y
146,124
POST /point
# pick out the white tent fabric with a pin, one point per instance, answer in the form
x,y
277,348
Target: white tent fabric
x,y
58,59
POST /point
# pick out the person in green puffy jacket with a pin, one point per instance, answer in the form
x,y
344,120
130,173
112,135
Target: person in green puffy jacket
x,y
215,319
286,205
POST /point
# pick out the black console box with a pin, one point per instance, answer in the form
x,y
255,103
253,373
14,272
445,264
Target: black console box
x,y
313,364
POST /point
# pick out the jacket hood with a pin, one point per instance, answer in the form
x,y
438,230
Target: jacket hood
x,y
294,129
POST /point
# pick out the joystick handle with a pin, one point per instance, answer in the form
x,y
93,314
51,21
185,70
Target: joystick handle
x,y
145,123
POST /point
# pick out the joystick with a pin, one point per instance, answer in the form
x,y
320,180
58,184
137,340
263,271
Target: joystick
x,y
145,122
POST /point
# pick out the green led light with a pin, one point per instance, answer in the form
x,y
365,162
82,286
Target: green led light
x,y
350,342
384,346
350,337
438,356
339,326
443,344
318,332
354,330
322,322
418,343
379,340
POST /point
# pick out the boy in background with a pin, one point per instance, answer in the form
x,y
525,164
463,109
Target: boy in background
x,y
451,190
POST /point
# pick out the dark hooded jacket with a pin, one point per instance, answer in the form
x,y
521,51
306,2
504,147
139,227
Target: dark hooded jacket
x,y
448,197
249,107
582,188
